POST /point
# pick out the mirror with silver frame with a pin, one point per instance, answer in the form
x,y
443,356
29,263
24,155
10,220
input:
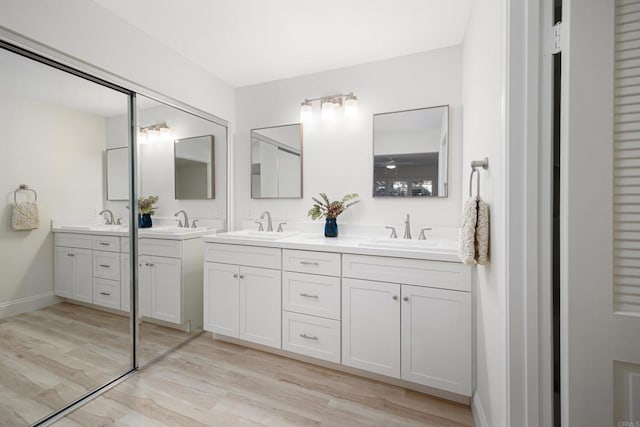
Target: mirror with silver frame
x,y
117,174
194,168
410,153
276,162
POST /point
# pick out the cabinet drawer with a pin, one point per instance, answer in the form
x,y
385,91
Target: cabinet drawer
x,y
311,294
106,265
160,247
311,336
72,240
325,263
435,274
251,256
106,293
106,243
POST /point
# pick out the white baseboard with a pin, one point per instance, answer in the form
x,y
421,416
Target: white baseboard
x,y
27,304
479,419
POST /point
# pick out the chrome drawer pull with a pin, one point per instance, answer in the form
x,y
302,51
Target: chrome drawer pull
x,y
309,263
305,336
105,293
70,255
105,266
308,296
104,244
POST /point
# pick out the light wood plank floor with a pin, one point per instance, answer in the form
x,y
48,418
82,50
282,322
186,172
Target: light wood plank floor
x,y
213,383
53,356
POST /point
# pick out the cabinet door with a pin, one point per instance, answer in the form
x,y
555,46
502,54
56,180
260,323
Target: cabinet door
x,y
166,289
63,285
436,338
144,286
261,306
83,275
222,299
125,282
371,326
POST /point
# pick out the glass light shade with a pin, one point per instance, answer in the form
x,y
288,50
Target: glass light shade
x,y
165,133
306,112
327,110
153,136
351,106
142,137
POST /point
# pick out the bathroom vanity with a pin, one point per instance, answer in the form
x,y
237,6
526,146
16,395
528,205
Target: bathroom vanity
x,y
388,308
92,266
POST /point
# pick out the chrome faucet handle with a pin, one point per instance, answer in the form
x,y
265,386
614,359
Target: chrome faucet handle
x,y
193,224
179,223
393,235
260,226
422,235
280,230
119,221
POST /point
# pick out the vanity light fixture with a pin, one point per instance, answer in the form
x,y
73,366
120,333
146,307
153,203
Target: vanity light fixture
x,y
328,105
154,133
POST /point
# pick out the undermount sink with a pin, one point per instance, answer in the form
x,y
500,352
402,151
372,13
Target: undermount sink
x,y
258,235
440,245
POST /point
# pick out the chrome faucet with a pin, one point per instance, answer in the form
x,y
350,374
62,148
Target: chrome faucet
x,y
407,228
110,220
269,223
186,219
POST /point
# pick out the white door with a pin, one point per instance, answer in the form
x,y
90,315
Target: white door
x,y
125,282
600,214
371,326
222,299
83,275
63,284
144,286
261,306
166,289
436,338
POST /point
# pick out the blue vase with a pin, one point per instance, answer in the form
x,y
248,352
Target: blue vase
x,y
330,227
144,221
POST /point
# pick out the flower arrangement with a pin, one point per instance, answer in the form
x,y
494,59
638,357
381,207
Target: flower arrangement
x,y
331,210
146,205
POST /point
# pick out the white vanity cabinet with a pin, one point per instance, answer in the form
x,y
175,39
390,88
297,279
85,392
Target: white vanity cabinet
x,y
170,281
243,292
419,330
73,273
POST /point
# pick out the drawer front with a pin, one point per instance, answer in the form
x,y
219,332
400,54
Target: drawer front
x,y
311,294
72,240
435,274
106,243
251,256
125,246
106,265
325,263
106,293
311,336
160,247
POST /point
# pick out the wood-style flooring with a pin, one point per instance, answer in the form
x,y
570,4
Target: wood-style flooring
x,y
53,356
213,383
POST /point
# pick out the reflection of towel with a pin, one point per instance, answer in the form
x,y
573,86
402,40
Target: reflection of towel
x,y
25,216
467,252
474,236
482,233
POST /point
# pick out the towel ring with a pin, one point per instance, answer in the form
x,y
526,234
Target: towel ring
x,y
474,171
24,187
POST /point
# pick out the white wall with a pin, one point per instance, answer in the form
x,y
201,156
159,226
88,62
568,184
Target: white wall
x,y
58,152
338,154
483,133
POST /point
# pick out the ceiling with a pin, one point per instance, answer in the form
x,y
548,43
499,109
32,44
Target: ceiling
x,y
246,42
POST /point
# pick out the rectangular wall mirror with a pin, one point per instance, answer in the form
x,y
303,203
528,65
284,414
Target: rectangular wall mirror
x,y
117,173
276,162
194,168
410,153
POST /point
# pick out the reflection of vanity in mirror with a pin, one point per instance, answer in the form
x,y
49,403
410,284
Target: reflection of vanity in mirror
x,y
410,153
117,173
276,162
194,168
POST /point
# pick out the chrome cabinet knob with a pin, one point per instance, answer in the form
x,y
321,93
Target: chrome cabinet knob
x,y
395,297
405,299
235,276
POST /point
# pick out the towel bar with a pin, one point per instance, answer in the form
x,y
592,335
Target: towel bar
x,y
24,187
475,166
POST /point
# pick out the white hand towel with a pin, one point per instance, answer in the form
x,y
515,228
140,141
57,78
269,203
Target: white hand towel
x,y
467,250
482,233
25,216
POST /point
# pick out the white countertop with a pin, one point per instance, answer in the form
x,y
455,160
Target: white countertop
x,y
362,245
167,233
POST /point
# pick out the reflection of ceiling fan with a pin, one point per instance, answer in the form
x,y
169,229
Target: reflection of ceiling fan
x,y
391,167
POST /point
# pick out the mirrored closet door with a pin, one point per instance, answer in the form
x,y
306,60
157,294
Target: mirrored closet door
x,y
66,326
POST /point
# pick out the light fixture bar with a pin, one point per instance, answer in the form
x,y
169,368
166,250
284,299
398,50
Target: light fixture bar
x,y
328,104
